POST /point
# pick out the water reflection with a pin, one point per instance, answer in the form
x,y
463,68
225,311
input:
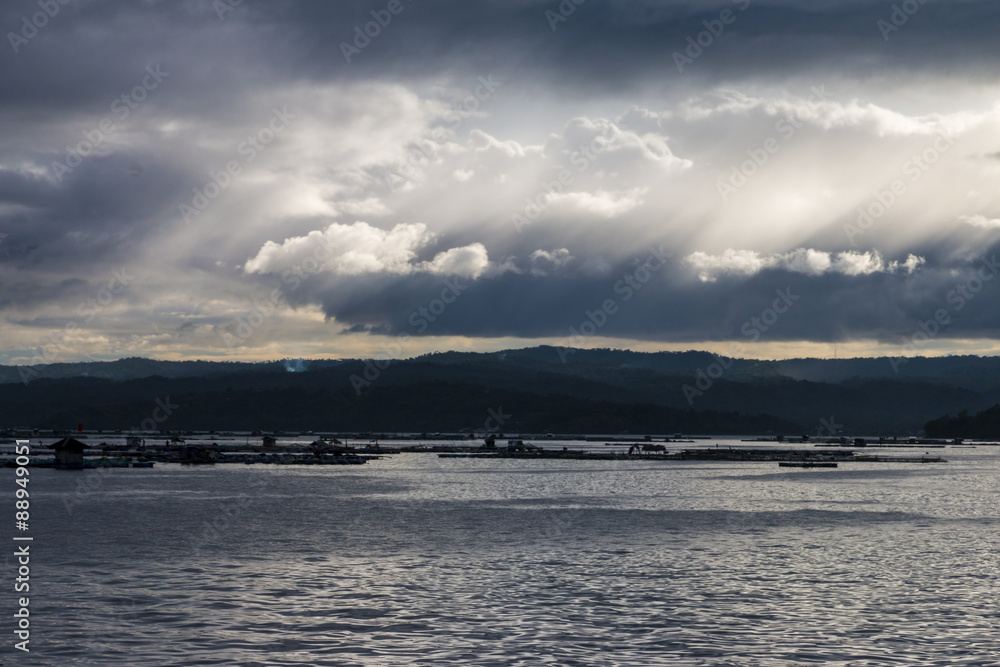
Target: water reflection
x,y
419,560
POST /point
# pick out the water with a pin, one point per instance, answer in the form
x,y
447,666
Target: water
x,y
421,560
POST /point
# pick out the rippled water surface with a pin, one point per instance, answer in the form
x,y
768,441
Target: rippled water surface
x,y
421,560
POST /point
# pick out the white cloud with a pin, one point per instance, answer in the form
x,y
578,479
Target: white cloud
x,y
544,262
605,141
808,261
601,202
801,260
858,263
737,262
822,111
484,143
639,120
360,248
980,221
911,264
468,261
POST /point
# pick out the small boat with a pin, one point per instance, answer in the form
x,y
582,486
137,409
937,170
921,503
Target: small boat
x,y
807,464
142,464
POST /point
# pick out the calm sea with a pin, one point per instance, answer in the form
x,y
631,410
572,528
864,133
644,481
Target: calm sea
x,y
420,560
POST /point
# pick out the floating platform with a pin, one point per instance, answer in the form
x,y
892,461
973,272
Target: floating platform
x,y
899,459
807,464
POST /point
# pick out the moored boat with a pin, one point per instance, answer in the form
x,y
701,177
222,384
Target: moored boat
x,y
807,464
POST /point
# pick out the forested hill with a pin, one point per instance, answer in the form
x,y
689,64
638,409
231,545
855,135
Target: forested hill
x,y
555,389
971,372
136,367
985,425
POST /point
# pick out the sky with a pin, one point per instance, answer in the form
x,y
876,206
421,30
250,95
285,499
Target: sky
x,y
260,180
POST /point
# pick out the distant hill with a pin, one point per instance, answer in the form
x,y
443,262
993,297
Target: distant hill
x,y
983,426
970,372
558,390
136,367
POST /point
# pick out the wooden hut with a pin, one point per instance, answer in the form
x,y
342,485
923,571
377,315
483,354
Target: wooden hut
x,y
199,454
69,453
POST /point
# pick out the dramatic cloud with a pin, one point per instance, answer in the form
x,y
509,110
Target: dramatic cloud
x,y
360,248
169,169
802,260
980,221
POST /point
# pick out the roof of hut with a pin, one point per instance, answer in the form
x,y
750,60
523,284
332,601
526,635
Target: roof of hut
x,y
69,443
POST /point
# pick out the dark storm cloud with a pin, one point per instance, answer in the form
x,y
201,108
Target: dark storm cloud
x,y
667,304
617,44
621,44
599,44
225,70
34,291
100,212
